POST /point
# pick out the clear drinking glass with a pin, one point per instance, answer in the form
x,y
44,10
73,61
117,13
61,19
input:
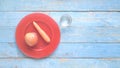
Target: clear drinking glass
x,y
65,21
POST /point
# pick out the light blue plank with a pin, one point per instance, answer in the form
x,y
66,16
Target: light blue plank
x,y
94,44
78,18
74,34
60,5
69,50
86,26
58,63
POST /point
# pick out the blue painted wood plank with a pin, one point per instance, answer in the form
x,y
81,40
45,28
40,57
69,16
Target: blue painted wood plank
x,y
60,5
95,42
74,34
68,50
59,63
78,18
86,26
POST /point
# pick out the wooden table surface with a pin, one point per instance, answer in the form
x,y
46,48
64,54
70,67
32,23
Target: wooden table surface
x,y
92,40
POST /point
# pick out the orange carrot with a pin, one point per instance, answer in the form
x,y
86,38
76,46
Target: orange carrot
x,y
41,32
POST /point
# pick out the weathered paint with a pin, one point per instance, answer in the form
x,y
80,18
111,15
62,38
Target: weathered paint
x,y
92,40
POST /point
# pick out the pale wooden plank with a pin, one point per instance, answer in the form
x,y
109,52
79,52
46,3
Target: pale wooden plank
x,y
60,5
59,63
78,18
107,33
87,34
68,50
86,26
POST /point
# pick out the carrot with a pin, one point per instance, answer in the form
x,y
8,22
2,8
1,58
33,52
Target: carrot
x,y
41,32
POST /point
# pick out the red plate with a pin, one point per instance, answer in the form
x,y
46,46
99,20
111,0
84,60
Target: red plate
x,y
41,49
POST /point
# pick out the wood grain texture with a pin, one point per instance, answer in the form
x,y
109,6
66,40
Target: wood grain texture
x,y
92,40
78,18
74,34
68,50
58,63
60,5
86,26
